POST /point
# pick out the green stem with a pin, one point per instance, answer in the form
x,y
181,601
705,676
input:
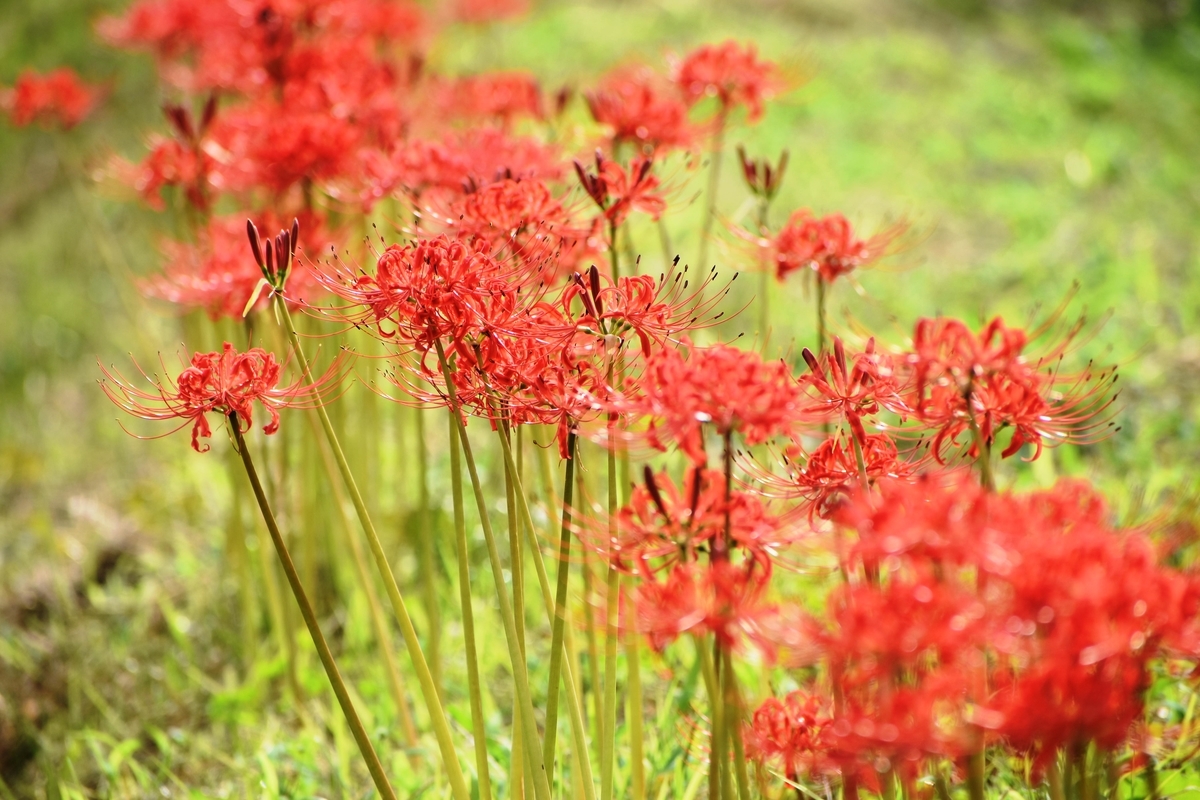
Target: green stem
x,y
425,546
374,766
1054,782
714,181
612,251
468,615
717,712
986,477
822,326
374,606
574,705
637,775
429,691
608,730
733,716
516,660
560,605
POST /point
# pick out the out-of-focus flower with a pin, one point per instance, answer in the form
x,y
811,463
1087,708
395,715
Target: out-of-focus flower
x,y
57,98
637,106
731,73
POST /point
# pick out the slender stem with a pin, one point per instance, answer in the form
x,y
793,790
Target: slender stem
x,y
633,713
425,547
516,660
717,712
822,325
860,462
468,615
733,716
560,605
374,766
374,606
613,255
574,705
714,182
608,731
664,240
986,477
429,691
1054,782
764,281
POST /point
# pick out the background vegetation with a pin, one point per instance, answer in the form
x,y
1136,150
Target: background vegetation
x,y
1031,146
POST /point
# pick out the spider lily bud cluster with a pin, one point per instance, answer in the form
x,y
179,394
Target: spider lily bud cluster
x,y
837,522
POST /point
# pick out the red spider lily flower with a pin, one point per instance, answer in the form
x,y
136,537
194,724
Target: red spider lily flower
x,y
227,382
504,96
723,599
652,309
1089,610
729,72
827,246
458,161
763,179
664,525
852,390
731,389
825,476
619,193
964,381
217,275
633,102
57,98
935,521
268,146
520,218
434,289
793,734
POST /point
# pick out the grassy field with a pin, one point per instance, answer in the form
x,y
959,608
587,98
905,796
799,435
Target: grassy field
x,y
1029,152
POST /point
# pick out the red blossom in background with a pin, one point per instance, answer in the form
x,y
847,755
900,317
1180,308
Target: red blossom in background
x,y
227,382
502,95
793,734
730,389
57,98
731,73
639,108
827,245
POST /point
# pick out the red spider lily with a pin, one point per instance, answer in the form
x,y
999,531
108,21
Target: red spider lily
x,y
827,246
763,179
269,146
794,734
731,389
652,309
825,476
436,289
227,382
729,72
723,599
933,522
216,274
664,525
458,161
57,98
180,161
503,96
1089,610
633,102
520,218
984,382
852,390
619,193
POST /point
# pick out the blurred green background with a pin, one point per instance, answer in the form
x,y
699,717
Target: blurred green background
x,y
1031,145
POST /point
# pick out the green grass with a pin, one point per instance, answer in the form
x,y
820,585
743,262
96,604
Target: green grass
x,y
1029,152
